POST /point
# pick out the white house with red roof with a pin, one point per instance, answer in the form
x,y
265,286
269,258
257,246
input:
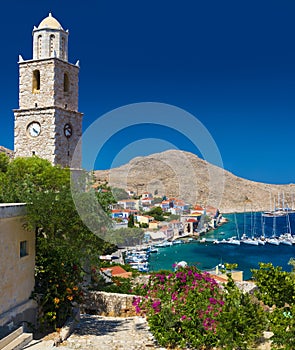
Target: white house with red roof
x,y
180,204
146,195
146,202
129,204
121,213
165,205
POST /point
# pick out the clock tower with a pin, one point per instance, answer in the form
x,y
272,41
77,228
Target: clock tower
x,y
47,123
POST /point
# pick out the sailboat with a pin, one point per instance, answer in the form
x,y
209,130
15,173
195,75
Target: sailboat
x,y
234,240
261,239
273,240
287,238
245,239
279,210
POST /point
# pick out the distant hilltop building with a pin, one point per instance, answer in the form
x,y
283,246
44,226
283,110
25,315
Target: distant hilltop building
x,y
47,123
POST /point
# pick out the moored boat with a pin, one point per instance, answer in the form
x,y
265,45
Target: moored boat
x,y
273,241
247,240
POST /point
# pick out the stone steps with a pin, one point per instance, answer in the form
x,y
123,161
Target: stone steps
x,y
16,340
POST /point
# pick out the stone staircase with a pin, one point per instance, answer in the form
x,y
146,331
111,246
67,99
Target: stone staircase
x,y
16,340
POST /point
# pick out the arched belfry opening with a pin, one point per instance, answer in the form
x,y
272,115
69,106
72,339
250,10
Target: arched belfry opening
x,y
66,82
51,45
36,81
39,46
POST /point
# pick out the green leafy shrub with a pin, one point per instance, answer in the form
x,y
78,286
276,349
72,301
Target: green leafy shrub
x,y
242,320
276,288
282,324
57,282
187,308
183,307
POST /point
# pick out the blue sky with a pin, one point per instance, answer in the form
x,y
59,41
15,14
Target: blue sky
x,y
231,64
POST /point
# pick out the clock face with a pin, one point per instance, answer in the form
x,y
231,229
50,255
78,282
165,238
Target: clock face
x,y
68,130
34,129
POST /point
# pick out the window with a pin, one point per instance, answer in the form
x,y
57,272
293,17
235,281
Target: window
x,y
23,249
66,82
51,45
39,49
36,81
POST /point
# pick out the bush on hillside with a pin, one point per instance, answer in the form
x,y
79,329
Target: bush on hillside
x,y
187,308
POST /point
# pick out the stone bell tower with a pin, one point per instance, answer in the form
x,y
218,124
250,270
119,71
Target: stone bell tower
x,y
47,123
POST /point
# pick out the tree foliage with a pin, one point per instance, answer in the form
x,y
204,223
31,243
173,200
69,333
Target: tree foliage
x,y
105,197
125,237
4,161
65,246
157,213
131,221
119,193
276,288
242,320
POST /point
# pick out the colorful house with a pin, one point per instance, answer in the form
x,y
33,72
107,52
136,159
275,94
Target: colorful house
x,y
121,214
129,204
180,204
144,219
153,225
147,195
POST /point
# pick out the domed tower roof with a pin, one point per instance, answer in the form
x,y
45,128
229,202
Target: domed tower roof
x,y
50,40
50,22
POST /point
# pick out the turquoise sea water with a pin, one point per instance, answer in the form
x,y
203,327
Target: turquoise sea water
x,y
208,255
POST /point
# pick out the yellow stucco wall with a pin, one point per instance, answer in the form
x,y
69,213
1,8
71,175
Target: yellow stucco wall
x,y
17,273
153,225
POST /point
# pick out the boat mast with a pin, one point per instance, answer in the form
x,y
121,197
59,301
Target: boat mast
x,y
274,226
237,227
262,225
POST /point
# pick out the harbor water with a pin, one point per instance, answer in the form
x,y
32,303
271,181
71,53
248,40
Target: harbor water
x,y
207,255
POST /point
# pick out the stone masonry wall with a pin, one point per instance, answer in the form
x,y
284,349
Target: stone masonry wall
x,y
51,91
52,108
43,145
51,144
110,304
66,148
69,99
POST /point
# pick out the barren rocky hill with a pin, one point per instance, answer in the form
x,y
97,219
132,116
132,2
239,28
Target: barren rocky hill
x,y
184,175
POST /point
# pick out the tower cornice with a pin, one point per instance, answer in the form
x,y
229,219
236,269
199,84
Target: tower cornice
x,y
48,59
24,110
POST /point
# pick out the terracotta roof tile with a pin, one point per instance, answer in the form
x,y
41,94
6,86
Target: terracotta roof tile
x,y
117,271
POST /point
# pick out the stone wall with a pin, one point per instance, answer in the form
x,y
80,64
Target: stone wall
x,y
51,144
42,145
108,304
52,106
51,92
